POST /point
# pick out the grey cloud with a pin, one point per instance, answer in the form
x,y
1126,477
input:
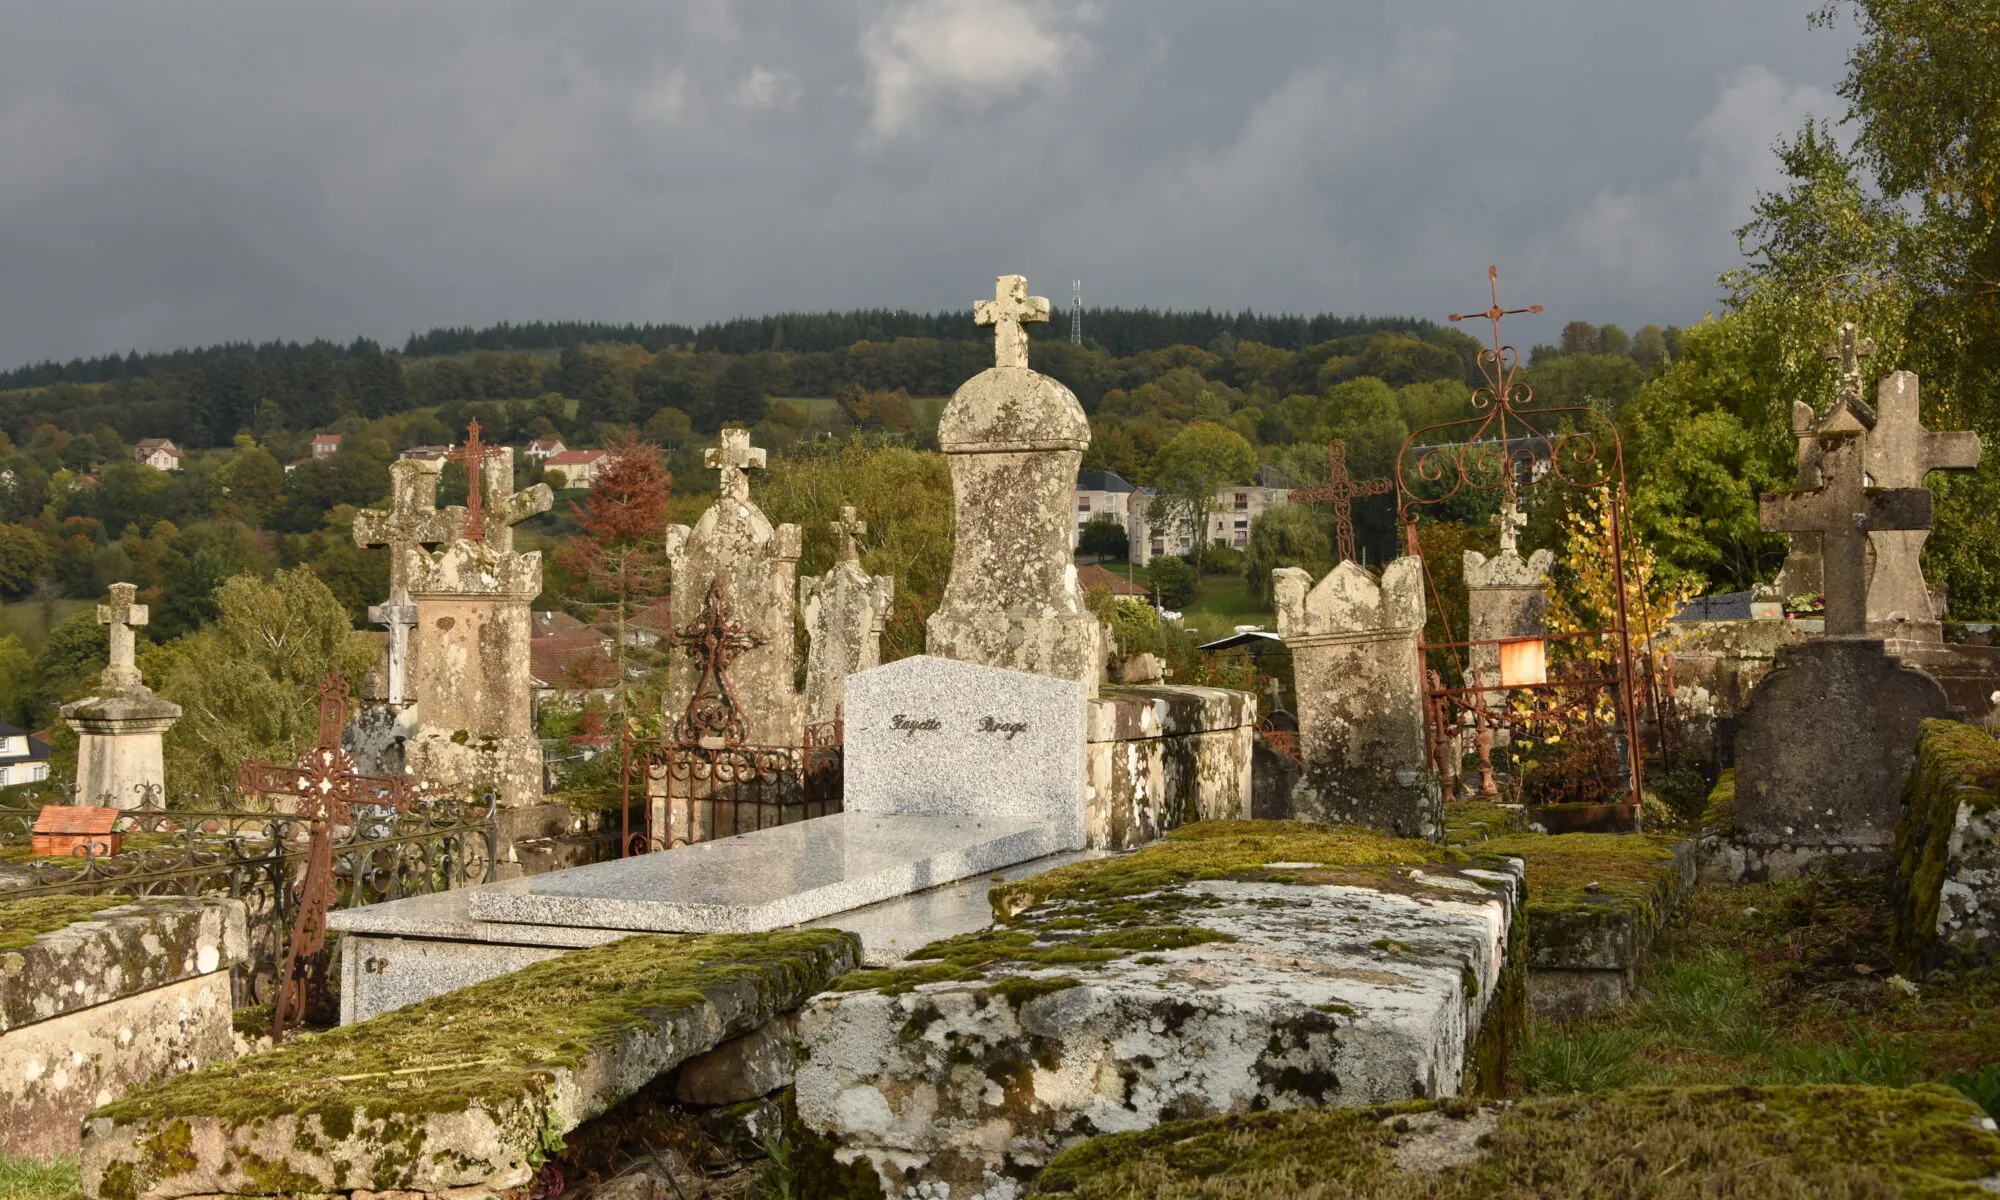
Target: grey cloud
x,y
206,171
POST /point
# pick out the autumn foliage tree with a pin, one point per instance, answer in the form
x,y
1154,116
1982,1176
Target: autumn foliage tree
x,y
621,558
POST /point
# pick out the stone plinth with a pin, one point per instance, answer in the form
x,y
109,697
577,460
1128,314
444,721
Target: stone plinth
x,y
1014,439
118,755
107,1004
1824,748
1358,671
475,719
1162,756
1507,597
734,575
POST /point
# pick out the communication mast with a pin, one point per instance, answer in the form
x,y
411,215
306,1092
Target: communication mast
x,y
1076,312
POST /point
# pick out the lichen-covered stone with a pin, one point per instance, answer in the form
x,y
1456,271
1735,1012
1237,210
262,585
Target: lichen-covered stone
x,y
1947,880
104,948
1234,967
845,611
1358,672
1162,756
1662,1143
466,1090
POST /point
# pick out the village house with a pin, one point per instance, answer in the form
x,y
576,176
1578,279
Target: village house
x,y
158,453
575,468
1229,517
542,449
326,445
24,758
1102,493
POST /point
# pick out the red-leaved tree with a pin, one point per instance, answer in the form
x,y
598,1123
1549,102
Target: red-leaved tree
x,y
621,557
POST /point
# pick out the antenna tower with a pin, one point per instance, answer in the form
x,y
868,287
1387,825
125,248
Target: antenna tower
x,y
1076,311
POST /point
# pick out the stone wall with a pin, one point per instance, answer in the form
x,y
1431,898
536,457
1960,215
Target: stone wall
x,y
1716,665
102,1006
1947,855
1164,756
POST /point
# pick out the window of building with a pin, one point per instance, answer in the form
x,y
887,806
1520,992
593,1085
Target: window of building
x,y
1083,504
38,772
1242,500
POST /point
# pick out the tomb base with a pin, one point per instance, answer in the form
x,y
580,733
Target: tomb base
x,y
1164,756
118,757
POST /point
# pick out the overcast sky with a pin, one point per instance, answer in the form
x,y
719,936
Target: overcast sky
x,y
196,172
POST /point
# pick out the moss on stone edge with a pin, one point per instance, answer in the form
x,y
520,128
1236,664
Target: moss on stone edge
x,y
22,921
1468,822
1719,818
1957,766
494,1043
1925,1143
1578,872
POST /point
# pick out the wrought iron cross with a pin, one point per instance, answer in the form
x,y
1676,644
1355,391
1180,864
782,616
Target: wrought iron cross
x,y
1341,492
1010,309
473,454
1503,358
327,788
714,641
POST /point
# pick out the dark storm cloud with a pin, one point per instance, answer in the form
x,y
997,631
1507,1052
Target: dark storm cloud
x,y
189,173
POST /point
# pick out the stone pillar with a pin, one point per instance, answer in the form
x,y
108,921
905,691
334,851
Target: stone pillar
x,y
1358,670
1507,597
475,714
1014,440
734,583
118,758
845,610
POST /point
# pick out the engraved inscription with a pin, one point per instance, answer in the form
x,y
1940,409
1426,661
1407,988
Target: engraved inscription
x,y
912,726
1010,728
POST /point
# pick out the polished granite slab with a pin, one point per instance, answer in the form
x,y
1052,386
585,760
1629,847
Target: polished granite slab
x,y
770,878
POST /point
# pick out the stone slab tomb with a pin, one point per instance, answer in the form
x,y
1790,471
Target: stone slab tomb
x,y
1232,968
106,1003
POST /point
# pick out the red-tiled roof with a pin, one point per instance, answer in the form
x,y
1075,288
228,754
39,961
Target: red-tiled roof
x,y
75,818
569,658
147,446
575,458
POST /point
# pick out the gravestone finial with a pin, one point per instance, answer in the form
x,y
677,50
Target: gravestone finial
x,y
122,673
1008,311
1511,521
850,530
1848,352
1341,491
731,460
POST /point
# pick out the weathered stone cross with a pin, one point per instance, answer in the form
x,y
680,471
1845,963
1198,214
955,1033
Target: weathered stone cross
x,y
122,673
1008,311
1849,410
1341,491
1511,521
412,523
850,531
731,459
1899,453
1843,510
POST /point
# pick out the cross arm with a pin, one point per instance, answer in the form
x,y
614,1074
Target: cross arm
x,y
1956,451
1878,509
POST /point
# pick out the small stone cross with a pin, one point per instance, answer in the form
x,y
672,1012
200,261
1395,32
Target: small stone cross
x,y
731,459
1341,492
1848,352
1511,521
850,530
1843,510
1008,311
122,672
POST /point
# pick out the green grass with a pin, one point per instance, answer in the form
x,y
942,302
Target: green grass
x,y
1221,603
1783,983
24,619
39,1179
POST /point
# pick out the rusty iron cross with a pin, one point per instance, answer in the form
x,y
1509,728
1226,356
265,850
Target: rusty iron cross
x,y
1502,358
473,454
327,788
1341,492
714,641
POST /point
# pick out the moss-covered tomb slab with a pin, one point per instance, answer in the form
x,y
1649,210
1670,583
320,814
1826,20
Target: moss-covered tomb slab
x,y
60,954
1232,967
1922,1143
470,1089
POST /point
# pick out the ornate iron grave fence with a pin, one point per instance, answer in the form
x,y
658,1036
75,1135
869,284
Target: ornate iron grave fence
x,y
1576,715
700,791
221,845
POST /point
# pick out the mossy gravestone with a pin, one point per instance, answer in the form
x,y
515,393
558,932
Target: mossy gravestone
x,y
469,1090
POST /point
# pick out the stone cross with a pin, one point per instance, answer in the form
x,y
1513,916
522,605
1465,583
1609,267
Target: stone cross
x,y
1849,410
413,522
731,459
1008,311
122,673
1511,521
1899,453
1341,492
1843,510
850,530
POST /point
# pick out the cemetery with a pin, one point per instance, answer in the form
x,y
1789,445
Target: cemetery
x,y
989,920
